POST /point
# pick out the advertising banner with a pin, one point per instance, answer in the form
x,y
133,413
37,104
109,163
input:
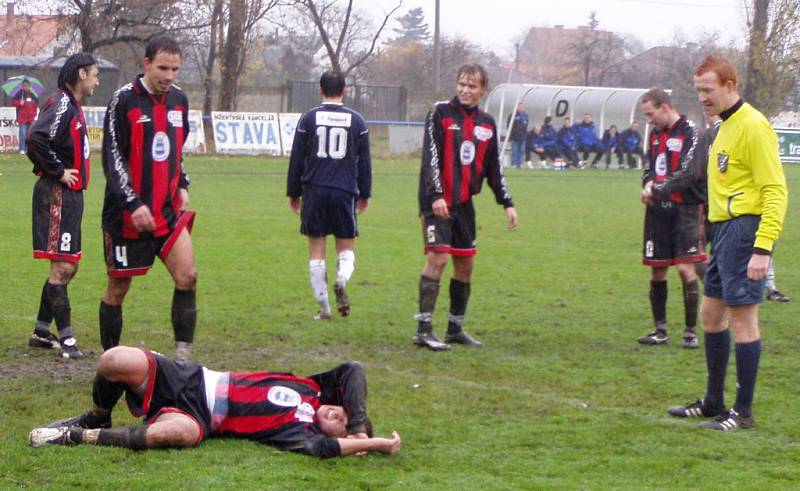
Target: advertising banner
x,y
288,125
9,130
789,145
246,133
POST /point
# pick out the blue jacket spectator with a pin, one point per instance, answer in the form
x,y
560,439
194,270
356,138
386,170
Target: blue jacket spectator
x,y
611,144
568,143
549,134
631,144
587,133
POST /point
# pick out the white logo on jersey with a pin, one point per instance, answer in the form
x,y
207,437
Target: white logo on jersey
x,y
467,152
175,118
454,127
331,118
305,413
284,396
661,164
482,133
85,146
144,118
674,144
160,150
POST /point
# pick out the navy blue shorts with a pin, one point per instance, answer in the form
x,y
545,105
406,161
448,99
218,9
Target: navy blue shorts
x,y
726,277
327,211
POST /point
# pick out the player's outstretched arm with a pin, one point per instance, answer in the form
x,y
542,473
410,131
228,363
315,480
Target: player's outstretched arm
x,y
352,446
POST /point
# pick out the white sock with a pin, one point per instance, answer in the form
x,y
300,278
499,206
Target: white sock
x,y
319,283
345,267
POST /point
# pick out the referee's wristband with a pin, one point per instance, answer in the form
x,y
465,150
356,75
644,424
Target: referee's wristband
x,y
761,252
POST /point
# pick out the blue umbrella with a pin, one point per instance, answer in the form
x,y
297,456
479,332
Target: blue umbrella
x,y
13,85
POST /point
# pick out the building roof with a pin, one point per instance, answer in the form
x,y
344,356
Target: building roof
x,y
29,35
13,62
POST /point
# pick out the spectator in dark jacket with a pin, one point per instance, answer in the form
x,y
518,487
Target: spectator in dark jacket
x,y
27,105
550,139
611,144
631,142
568,143
536,145
587,139
519,131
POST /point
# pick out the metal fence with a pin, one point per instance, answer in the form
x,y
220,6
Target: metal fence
x,y
374,102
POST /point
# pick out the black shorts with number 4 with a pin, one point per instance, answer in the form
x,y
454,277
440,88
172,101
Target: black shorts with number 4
x,y
57,215
454,235
134,257
673,234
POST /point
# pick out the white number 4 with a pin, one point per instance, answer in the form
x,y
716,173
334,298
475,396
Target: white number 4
x,y
121,255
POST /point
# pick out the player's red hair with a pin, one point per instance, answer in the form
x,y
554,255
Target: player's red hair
x,y
723,68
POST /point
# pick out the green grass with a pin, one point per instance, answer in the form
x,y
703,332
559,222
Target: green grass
x,y
561,397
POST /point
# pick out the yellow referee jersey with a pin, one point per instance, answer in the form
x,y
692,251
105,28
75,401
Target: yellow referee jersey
x,y
745,175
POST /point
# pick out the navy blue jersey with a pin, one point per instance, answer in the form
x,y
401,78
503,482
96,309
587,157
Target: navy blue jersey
x,y
331,149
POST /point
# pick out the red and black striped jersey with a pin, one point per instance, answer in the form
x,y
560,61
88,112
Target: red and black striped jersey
x,y
275,409
143,140
668,163
459,150
58,139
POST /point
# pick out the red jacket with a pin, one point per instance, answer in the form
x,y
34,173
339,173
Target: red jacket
x,y
27,104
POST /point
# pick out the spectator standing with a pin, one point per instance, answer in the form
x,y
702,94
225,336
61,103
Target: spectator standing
x,y
27,105
518,134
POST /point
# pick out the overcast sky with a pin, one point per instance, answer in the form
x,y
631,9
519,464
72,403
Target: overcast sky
x,y
496,24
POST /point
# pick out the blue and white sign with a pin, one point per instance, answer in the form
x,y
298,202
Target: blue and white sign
x,y
246,133
288,123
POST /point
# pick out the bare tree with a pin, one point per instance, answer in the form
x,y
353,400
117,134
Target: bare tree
x,y
595,52
345,33
773,54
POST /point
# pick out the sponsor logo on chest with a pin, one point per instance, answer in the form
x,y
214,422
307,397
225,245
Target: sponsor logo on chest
x,y
286,397
175,118
674,144
483,134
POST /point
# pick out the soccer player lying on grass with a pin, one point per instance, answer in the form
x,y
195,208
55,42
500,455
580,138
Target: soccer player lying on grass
x,y
183,403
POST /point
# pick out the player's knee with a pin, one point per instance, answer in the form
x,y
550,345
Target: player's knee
x,y
116,290
178,433
62,272
119,361
186,279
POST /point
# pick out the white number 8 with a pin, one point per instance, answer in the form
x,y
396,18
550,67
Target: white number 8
x,y
66,238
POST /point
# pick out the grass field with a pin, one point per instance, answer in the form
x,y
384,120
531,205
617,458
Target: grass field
x,y
562,396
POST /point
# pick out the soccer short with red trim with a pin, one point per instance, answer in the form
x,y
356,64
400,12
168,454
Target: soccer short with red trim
x,y
673,234
134,257
57,215
172,387
454,235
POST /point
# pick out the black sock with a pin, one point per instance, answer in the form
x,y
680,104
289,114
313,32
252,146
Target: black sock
x,y
105,393
59,304
45,315
184,315
428,293
658,303
747,357
110,324
459,296
718,349
133,437
691,298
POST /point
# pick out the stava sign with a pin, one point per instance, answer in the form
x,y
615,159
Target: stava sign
x,y
9,130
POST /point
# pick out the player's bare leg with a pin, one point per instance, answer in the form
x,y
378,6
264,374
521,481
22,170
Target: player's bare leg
x,y
345,265
435,263
180,263
319,276
460,285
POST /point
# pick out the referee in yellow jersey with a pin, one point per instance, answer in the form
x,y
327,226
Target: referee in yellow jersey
x,y
747,199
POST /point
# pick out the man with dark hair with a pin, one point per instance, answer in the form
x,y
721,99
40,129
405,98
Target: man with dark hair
x,y
59,150
568,143
673,228
747,199
330,170
145,210
588,142
550,141
459,151
631,144
610,144
183,403
27,104
518,129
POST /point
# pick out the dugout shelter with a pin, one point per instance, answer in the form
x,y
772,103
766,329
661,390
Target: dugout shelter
x,y
607,105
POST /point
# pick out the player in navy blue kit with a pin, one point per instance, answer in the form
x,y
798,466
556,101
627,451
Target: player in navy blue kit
x,y
329,181
145,210
459,151
183,403
59,149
